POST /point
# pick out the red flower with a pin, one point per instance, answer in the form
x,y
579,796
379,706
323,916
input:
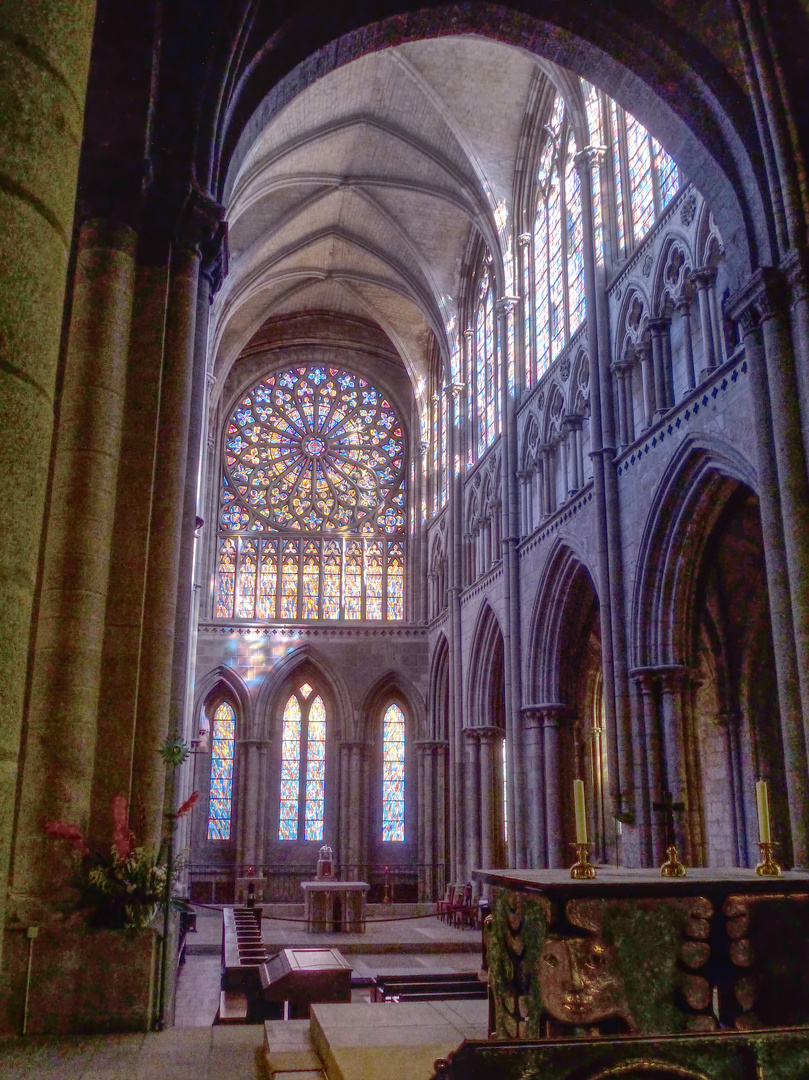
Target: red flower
x,y
189,804
65,831
122,838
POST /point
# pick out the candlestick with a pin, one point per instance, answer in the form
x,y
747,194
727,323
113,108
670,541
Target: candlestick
x,y
582,867
581,813
763,808
768,867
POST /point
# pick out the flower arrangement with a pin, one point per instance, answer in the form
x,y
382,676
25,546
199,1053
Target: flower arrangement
x,y
126,888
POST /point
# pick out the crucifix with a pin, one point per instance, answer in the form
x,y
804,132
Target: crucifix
x,y
672,867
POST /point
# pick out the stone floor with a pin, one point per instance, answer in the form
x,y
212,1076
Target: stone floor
x,y
378,1040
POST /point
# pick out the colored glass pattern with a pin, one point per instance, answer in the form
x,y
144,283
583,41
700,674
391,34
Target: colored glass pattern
x,y
310,451
393,774
313,448
290,771
575,241
641,189
221,795
616,168
667,174
315,770
303,753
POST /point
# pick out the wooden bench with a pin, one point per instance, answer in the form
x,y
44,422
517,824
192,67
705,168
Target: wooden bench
x,y
427,987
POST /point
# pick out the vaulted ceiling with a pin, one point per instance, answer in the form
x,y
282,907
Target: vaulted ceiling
x,y
362,195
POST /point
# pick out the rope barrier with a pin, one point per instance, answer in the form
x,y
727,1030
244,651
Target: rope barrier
x,y
328,922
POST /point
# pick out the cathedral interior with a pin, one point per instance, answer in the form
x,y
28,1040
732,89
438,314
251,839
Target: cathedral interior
x,y
415,405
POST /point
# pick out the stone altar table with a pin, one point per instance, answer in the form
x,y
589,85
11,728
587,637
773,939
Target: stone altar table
x,y
320,899
632,953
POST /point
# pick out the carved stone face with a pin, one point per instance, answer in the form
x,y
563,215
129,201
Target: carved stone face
x,y
579,980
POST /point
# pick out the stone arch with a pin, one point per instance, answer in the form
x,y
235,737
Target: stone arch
x,y
579,387
671,280
566,575
221,682
631,325
392,685
698,481
274,691
437,716
486,666
708,126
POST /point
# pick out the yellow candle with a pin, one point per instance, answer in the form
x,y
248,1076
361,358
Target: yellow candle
x,y
581,813
763,808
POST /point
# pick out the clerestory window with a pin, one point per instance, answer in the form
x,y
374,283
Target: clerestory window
x,y
313,501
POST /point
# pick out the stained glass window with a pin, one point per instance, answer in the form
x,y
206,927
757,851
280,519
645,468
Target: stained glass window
x,y
221,797
311,452
393,774
644,179
303,752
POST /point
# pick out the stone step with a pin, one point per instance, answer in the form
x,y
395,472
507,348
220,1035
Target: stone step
x,y
290,1052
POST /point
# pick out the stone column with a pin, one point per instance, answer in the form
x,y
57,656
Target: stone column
x,y
553,820
252,796
548,501
705,279
645,679
535,810
657,328
778,580
620,369
344,836
683,309
66,662
644,353
43,84
675,753
798,277
263,795
440,803
472,800
526,517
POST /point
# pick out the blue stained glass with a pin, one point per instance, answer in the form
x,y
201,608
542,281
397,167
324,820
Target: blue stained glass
x,y
393,776
641,190
290,770
667,174
221,794
616,166
315,770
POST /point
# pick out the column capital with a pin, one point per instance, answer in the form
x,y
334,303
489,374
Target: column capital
x,y
704,276
201,227
453,390
682,305
573,421
524,475
487,732
506,304
660,325
762,297
623,364
588,157
469,333
524,239
547,713
431,744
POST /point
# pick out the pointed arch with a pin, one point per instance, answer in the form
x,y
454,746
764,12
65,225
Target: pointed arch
x,y
437,715
219,683
300,661
391,685
565,578
696,486
486,671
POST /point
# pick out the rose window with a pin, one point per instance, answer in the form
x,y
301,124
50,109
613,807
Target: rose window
x,y
313,455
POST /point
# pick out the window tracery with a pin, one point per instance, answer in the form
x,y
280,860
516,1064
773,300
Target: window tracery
x,y
303,753
312,502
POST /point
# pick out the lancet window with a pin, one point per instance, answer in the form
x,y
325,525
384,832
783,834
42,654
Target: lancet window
x,y
312,501
484,402
303,757
632,168
223,737
393,774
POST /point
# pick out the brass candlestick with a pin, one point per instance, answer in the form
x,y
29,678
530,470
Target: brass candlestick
x,y
768,867
672,867
582,868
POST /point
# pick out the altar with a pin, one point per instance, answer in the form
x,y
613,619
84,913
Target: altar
x,y
335,906
629,953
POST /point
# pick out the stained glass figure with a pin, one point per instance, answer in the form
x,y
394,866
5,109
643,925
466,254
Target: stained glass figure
x,y
393,774
268,580
303,753
248,570
616,171
221,796
227,578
